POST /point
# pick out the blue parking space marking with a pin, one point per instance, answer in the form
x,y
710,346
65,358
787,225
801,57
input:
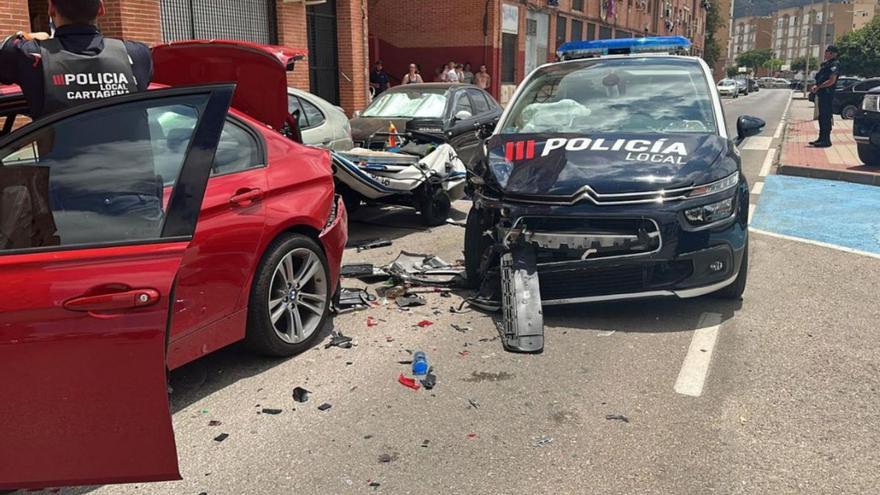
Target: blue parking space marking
x,y
832,212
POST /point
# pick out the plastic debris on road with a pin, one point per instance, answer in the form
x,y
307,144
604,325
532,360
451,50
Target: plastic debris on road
x,y
353,300
369,244
338,340
544,441
425,323
214,422
269,410
423,269
300,394
408,382
221,437
324,406
371,322
617,417
409,301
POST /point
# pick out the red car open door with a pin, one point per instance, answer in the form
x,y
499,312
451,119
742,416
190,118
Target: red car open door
x,y
97,207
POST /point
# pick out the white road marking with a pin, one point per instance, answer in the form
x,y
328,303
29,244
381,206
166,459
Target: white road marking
x,y
606,334
768,162
782,121
758,188
758,143
815,243
695,368
751,212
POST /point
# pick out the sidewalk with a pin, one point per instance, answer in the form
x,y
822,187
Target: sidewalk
x,y
839,162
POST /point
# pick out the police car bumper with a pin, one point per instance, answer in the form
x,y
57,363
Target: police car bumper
x,y
591,253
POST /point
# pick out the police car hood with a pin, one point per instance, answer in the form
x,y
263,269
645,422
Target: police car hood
x,y
563,164
259,71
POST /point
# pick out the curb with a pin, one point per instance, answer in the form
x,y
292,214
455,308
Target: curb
x,y
865,178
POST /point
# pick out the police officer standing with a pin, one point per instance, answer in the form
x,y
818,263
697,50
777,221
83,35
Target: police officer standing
x,y
826,80
75,66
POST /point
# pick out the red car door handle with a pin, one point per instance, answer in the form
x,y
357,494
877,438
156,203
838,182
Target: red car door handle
x,y
136,298
246,196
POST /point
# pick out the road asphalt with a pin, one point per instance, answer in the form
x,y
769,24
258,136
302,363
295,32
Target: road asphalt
x,y
777,393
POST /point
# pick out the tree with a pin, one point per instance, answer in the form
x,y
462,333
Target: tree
x,y
732,71
712,46
754,58
860,50
800,64
774,64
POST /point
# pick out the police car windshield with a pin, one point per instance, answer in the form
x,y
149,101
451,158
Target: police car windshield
x,y
408,103
615,95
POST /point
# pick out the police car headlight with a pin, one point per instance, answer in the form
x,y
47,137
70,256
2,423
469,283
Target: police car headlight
x,y
713,212
724,184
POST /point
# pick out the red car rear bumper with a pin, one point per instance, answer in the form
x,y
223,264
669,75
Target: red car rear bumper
x,y
333,238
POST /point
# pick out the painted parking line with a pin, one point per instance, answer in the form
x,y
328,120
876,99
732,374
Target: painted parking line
x,y
768,163
815,243
782,121
695,368
752,207
757,188
758,143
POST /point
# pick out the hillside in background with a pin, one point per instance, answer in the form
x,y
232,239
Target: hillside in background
x,y
743,8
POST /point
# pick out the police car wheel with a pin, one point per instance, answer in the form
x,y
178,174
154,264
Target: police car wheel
x,y
290,298
476,245
435,207
736,289
869,154
848,112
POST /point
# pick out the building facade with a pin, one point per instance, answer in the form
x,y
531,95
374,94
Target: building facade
x,y
797,31
751,33
333,31
512,38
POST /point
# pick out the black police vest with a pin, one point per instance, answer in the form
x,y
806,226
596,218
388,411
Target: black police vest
x,y
71,79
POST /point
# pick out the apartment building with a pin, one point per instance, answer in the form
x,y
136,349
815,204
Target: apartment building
x,y
514,37
750,33
797,31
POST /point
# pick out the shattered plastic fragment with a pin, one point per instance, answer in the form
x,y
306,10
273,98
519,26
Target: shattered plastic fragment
x,y
371,322
617,417
408,382
324,407
429,381
338,340
214,422
409,301
543,441
221,437
474,403
460,328
472,435
425,323
267,410
300,394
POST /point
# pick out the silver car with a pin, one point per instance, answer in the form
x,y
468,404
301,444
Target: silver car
x,y
322,123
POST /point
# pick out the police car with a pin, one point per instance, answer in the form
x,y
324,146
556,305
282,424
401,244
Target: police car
x,y
610,176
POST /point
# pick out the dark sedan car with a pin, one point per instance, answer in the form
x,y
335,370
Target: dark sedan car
x,y
453,111
848,100
866,128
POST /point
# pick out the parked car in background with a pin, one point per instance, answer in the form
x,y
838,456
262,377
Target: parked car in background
x,y
866,128
321,123
139,233
798,84
742,86
728,87
778,82
449,111
848,100
843,83
753,85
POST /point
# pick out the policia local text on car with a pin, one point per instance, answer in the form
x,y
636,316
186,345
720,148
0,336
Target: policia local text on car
x,y
77,65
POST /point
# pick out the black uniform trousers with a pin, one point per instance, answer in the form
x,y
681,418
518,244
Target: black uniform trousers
x,y
826,117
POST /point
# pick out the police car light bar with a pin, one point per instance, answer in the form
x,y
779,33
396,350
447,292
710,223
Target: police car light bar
x,y
623,46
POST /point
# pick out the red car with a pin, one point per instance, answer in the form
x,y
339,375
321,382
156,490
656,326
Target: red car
x,y
140,232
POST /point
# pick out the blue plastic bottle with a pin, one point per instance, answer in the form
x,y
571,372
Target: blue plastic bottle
x,y
419,364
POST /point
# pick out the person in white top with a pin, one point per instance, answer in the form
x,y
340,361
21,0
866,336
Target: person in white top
x,y
452,75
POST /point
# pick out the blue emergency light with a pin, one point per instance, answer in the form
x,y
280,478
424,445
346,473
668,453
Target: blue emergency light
x,y
623,46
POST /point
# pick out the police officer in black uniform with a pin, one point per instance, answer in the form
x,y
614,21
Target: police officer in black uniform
x,y
826,80
75,66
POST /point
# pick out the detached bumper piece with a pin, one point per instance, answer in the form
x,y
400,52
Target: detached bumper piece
x,y
522,317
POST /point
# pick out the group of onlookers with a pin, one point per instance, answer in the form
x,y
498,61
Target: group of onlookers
x,y
451,73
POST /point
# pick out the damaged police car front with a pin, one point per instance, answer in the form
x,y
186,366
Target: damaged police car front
x,y
608,178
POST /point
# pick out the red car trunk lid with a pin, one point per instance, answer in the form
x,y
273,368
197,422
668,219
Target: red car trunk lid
x,y
260,72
